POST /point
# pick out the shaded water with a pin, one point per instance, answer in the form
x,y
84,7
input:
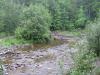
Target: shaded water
x,y
42,46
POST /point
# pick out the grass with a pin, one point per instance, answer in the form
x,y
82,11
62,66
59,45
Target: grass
x,y
76,33
2,35
12,41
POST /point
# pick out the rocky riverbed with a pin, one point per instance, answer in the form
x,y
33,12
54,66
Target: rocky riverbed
x,y
50,59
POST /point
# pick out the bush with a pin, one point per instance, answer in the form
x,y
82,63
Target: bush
x,y
35,24
93,37
83,61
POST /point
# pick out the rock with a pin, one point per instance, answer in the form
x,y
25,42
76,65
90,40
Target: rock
x,y
48,58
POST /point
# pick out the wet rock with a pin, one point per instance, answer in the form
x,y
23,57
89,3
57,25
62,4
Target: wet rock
x,y
40,62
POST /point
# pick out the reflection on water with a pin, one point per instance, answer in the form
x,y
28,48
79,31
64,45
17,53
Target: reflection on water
x,y
42,46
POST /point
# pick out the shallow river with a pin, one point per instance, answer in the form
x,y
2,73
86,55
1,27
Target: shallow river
x,y
45,59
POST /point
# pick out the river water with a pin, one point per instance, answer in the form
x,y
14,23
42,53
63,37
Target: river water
x,y
44,59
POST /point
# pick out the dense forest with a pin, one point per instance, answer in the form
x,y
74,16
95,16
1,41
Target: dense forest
x,y
35,21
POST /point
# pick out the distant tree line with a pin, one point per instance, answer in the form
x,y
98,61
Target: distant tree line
x,y
35,19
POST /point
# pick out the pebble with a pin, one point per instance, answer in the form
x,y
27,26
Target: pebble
x,y
22,59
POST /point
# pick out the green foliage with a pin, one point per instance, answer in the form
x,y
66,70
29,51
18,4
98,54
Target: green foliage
x,y
83,62
77,33
12,41
90,8
38,17
35,24
56,15
93,37
63,14
68,14
9,17
81,19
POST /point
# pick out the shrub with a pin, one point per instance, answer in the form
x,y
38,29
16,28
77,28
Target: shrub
x,y
93,37
35,24
83,61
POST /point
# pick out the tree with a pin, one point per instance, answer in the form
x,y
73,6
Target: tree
x,y
68,11
93,37
90,7
81,19
9,16
35,24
